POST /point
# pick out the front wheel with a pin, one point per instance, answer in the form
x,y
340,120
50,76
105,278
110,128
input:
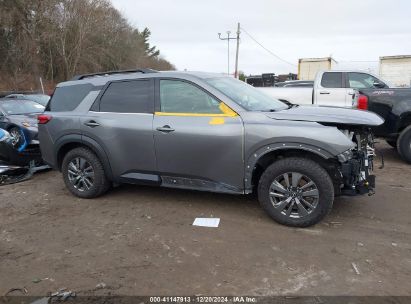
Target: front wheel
x,y
296,192
17,137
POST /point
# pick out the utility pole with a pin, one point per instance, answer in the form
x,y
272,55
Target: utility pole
x,y
236,53
228,38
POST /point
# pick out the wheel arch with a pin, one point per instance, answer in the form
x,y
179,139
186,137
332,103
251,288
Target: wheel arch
x,y
70,142
265,156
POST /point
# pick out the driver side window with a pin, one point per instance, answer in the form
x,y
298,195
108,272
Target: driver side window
x,y
181,97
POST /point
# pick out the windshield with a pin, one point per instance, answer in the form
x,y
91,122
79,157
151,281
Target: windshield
x,y
245,95
17,107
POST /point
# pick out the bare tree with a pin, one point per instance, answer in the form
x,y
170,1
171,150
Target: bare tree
x,y
56,39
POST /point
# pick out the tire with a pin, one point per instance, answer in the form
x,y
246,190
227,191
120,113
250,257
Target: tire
x,y
290,213
392,143
404,144
17,137
80,180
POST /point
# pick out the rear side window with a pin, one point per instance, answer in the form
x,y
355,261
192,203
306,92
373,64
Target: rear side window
x,y
68,98
128,97
331,80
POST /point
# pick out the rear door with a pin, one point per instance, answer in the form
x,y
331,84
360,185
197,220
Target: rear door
x,y
198,139
121,122
331,90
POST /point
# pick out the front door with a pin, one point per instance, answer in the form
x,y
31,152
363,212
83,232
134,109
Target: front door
x,y
198,139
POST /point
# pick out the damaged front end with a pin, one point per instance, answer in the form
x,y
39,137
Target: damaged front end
x,y
356,164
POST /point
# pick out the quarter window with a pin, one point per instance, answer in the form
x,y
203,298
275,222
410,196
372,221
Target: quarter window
x,y
128,97
331,80
68,98
181,97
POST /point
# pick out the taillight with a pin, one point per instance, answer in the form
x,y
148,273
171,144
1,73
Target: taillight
x,y
43,119
362,102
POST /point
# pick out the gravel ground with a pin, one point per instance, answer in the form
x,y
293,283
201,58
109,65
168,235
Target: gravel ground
x,y
140,241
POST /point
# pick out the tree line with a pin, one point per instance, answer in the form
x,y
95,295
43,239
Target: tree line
x,y
57,39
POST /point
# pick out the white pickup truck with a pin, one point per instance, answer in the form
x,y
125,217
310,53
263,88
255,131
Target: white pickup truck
x,y
331,88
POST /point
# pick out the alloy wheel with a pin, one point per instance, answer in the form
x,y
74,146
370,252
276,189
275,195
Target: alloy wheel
x,y
294,194
81,174
16,137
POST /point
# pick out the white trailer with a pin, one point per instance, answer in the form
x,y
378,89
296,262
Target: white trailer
x,y
396,69
308,67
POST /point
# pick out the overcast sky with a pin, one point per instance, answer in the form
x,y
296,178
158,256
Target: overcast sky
x,y
351,30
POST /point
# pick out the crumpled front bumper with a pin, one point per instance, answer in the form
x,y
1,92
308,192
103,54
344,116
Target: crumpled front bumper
x,y
356,177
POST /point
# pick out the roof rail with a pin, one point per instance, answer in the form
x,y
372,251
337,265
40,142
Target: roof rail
x,y
144,71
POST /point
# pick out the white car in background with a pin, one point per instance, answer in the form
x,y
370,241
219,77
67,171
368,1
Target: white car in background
x,y
331,88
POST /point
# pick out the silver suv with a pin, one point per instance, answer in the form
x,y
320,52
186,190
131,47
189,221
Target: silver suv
x,y
206,132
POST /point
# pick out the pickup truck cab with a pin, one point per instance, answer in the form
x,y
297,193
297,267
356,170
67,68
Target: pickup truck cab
x,y
330,88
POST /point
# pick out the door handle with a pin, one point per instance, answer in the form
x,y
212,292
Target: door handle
x,y
165,129
324,93
92,124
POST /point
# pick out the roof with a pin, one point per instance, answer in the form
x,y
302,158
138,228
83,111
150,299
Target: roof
x,y
13,99
396,57
316,59
102,78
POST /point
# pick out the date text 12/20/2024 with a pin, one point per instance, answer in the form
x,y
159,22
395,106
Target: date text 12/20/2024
x,y
203,299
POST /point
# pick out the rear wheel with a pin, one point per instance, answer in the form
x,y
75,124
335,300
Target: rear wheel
x,y
296,192
84,174
404,144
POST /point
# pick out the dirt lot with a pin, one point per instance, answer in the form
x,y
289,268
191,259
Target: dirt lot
x,y
140,241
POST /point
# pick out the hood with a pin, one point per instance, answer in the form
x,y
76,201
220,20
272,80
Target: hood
x,y
328,115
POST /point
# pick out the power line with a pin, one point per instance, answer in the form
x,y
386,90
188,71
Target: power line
x,y
270,52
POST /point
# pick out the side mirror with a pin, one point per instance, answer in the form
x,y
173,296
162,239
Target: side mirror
x,y
378,85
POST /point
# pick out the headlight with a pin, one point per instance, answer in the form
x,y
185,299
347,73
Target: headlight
x,y
345,156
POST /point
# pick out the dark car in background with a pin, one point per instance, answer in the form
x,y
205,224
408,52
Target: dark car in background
x,y
394,105
19,118
39,98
